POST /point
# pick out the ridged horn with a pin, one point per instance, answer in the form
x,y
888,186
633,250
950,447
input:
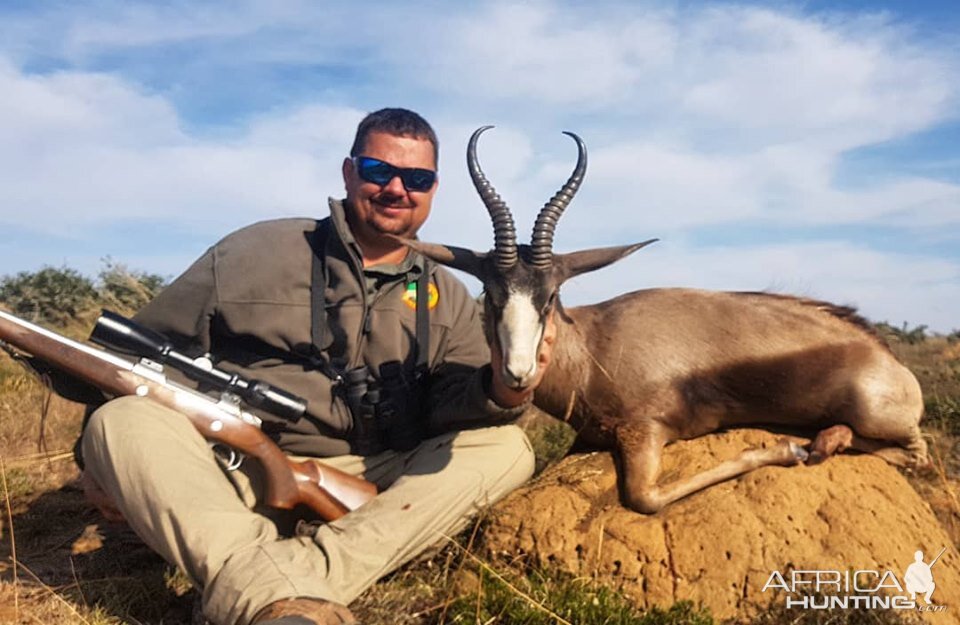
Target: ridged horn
x,y
541,243
504,231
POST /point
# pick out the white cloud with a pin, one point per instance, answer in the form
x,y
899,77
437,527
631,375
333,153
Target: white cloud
x,y
80,149
38,112
543,53
694,116
80,32
884,286
746,76
801,79
126,25
308,129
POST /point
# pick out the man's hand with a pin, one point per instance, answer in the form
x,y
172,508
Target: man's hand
x,y
100,499
509,397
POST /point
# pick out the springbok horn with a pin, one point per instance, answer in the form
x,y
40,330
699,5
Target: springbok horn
x,y
541,244
504,232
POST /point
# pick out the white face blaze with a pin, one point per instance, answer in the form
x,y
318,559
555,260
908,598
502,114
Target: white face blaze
x,y
519,333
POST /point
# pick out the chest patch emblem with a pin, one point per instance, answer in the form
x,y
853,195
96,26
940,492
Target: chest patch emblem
x,y
410,296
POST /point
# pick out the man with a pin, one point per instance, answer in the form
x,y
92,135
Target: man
x,y
918,577
296,302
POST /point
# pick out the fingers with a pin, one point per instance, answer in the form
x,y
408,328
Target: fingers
x,y
546,346
550,329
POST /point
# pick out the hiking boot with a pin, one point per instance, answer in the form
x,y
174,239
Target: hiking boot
x,y
304,612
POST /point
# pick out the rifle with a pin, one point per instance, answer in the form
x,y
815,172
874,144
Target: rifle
x,y
937,558
329,492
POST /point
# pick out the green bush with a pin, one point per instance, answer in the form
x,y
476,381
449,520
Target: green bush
x,y
55,296
903,334
943,412
125,289
51,295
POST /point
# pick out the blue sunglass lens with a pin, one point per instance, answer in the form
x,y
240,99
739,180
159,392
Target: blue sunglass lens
x,y
419,179
381,173
376,171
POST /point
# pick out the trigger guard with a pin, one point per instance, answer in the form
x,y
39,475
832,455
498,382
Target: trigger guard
x,y
228,457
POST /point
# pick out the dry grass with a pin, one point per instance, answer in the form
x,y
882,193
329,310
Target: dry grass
x,y
71,568
936,363
45,575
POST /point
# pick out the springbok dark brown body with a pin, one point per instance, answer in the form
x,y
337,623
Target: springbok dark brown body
x,y
644,369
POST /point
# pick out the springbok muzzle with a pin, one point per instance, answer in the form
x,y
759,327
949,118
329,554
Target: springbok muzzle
x,y
519,333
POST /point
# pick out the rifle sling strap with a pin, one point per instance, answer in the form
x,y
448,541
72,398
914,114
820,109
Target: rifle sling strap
x,y
318,308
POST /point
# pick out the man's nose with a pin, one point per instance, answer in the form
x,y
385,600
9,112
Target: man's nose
x,y
395,186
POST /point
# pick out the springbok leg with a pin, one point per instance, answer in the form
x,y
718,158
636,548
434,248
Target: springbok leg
x,y
839,438
640,454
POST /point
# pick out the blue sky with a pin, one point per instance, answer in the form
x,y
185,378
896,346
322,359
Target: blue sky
x,y
804,147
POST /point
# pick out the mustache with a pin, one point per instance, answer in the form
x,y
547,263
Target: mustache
x,y
390,200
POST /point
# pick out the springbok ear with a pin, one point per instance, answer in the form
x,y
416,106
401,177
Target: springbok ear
x,y
456,257
566,266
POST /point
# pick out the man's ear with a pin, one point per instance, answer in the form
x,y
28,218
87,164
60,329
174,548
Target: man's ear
x,y
566,266
456,257
347,169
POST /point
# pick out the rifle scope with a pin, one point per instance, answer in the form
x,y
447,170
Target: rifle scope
x,y
116,332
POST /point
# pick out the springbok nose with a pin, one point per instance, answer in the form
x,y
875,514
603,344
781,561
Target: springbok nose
x,y
519,375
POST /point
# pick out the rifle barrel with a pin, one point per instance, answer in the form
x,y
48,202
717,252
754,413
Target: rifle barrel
x,y
938,557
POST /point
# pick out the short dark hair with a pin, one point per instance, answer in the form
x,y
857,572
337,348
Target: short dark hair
x,y
399,123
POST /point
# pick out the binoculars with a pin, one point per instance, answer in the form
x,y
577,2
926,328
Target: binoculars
x,y
384,409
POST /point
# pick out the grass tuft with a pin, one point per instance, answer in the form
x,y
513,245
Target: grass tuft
x,y
542,597
551,440
943,412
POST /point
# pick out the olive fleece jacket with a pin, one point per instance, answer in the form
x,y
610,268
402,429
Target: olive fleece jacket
x,y
247,302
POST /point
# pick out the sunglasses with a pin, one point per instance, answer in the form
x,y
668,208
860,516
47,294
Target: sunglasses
x,y
381,173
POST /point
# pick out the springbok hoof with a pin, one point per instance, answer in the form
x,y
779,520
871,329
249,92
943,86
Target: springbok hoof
x,y
798,452
815,457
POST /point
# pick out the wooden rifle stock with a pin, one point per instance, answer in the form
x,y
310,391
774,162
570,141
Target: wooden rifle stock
x,y
329,492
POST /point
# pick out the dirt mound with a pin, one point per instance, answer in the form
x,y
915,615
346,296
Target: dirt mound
x,y
721,546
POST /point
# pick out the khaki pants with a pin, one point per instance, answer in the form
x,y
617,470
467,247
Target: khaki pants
x,y
179,500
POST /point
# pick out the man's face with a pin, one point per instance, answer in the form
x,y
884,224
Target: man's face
x,y
373,209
